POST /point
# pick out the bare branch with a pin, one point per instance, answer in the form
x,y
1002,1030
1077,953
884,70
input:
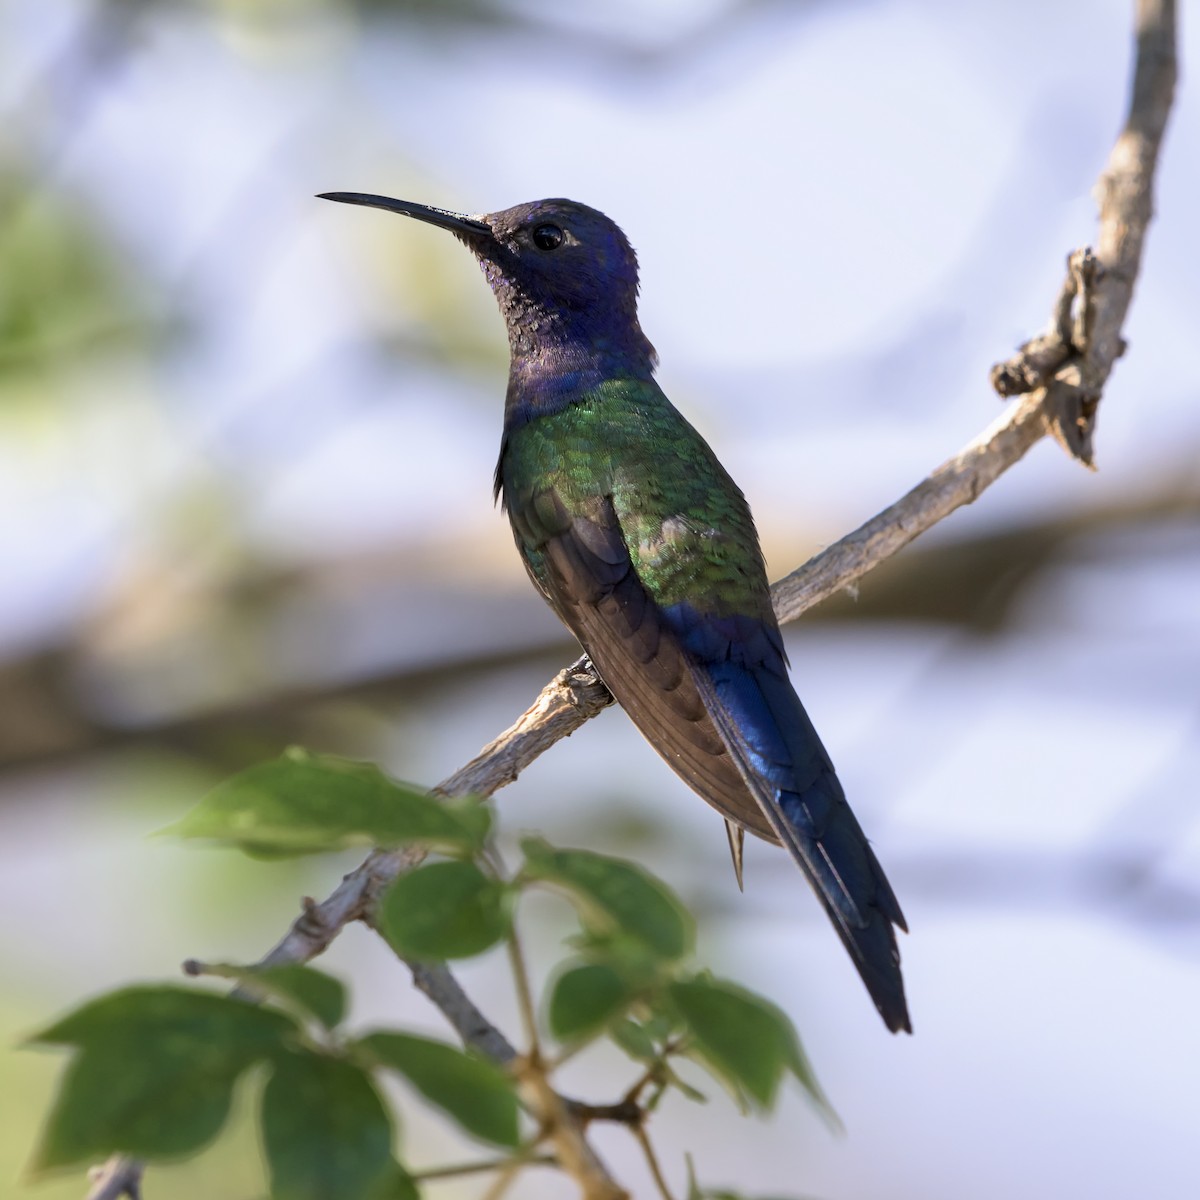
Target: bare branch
x,y
1126,188
656,1174
485,1165
565,703
576,693
572,697
1066,371
1073,360
436,981
120,1176
568,1133
956,482
1037,361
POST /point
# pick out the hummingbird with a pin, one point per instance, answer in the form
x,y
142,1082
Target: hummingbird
x,y
645,548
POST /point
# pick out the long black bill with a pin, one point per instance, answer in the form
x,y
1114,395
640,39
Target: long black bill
x,y
455,222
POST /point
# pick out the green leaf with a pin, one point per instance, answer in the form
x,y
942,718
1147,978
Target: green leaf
x,y
634,1040
585,999
325,1131
630,957
109,1102
444,910
681,1085
313,992
397,1184
475,1092
169,1013
68,289
744,1040
617,893
154,1074
304,803
661,1022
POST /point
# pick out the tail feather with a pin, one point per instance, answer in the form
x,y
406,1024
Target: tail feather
x,y
737,850
786,768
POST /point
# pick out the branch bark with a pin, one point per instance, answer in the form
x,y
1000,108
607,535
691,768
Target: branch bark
x,y
120,1176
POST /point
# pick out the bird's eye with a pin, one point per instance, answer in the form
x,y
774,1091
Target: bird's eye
x,y
547,237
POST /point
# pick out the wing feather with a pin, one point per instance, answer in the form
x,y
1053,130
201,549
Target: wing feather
x,y
589,578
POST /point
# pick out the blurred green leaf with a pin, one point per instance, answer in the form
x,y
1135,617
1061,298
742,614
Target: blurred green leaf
x,y
397,1184
326,1133
585,999
634,1040
65,286
444,910
475,1092
155,1071
314,992
304,803
111,1100
169,1014
680,1084
745,1041
636,963
616,892
662,1021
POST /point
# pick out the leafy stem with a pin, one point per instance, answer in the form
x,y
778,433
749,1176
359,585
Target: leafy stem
x,y
516,958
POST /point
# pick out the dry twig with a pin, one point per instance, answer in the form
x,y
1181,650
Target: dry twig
x,y
120,1176
1059,376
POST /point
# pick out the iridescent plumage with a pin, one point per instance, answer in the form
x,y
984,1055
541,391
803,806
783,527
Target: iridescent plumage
x,y
645,547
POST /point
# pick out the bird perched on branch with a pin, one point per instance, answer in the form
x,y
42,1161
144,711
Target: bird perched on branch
x,y
645,548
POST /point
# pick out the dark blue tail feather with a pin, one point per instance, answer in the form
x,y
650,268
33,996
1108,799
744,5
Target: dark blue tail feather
x,y
739,664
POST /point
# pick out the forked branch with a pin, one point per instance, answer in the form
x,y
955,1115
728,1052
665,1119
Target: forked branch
x,y
1058,376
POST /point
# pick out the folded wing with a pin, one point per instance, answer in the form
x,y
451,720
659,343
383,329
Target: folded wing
x,y
710,692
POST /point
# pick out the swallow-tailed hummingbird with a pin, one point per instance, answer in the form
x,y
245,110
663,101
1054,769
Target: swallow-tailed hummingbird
x,y
645,548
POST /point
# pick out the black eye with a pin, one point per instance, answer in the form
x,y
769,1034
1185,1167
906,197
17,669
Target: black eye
x,y
547,237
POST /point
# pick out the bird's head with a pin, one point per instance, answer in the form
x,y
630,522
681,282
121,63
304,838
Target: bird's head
x,y
560,254
559,269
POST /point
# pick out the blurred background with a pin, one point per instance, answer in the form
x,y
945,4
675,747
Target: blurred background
x,y
246,444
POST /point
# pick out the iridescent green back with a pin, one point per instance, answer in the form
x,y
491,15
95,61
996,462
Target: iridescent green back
x,y
685,522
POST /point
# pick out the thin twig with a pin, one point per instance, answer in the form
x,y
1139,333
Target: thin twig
x,y
660,1182
572,697
119,1176
505,1178
568,1134
516,958
956,482
475,1030
1037,361
478,1168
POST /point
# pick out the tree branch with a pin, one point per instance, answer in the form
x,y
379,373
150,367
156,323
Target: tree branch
x,y
1062,373
558,1116
956,482
119,1176
1090,346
